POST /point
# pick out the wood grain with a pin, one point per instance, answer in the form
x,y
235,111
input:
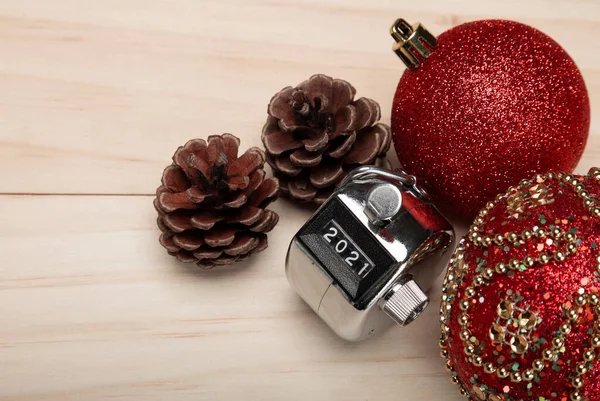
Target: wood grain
x,y
94,98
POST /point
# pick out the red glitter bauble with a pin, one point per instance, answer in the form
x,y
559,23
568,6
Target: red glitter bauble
x,y
497,101
520,308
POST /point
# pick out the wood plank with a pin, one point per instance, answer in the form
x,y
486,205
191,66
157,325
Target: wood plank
x,y
96,99
91,307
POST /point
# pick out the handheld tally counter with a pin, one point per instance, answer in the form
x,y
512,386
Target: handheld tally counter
x,y
368,255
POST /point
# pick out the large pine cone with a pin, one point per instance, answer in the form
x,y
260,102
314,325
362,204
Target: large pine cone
x,y
316,133
211,204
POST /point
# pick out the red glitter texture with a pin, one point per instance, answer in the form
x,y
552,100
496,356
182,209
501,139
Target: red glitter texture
x,y
545,289
497,101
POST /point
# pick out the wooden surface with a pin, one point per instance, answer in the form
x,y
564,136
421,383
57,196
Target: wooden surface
x,y
94,98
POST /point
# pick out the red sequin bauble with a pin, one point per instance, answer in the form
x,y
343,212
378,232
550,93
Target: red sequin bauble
x,y
520,308
496,102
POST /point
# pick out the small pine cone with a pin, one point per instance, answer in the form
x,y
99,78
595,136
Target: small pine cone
x,y
316,133
211,204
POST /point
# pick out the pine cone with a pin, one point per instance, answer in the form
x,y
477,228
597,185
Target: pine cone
x,y
316,133
211,204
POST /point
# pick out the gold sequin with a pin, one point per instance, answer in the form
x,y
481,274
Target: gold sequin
x,y
518,344
497,334
505,309
527,320
479,393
